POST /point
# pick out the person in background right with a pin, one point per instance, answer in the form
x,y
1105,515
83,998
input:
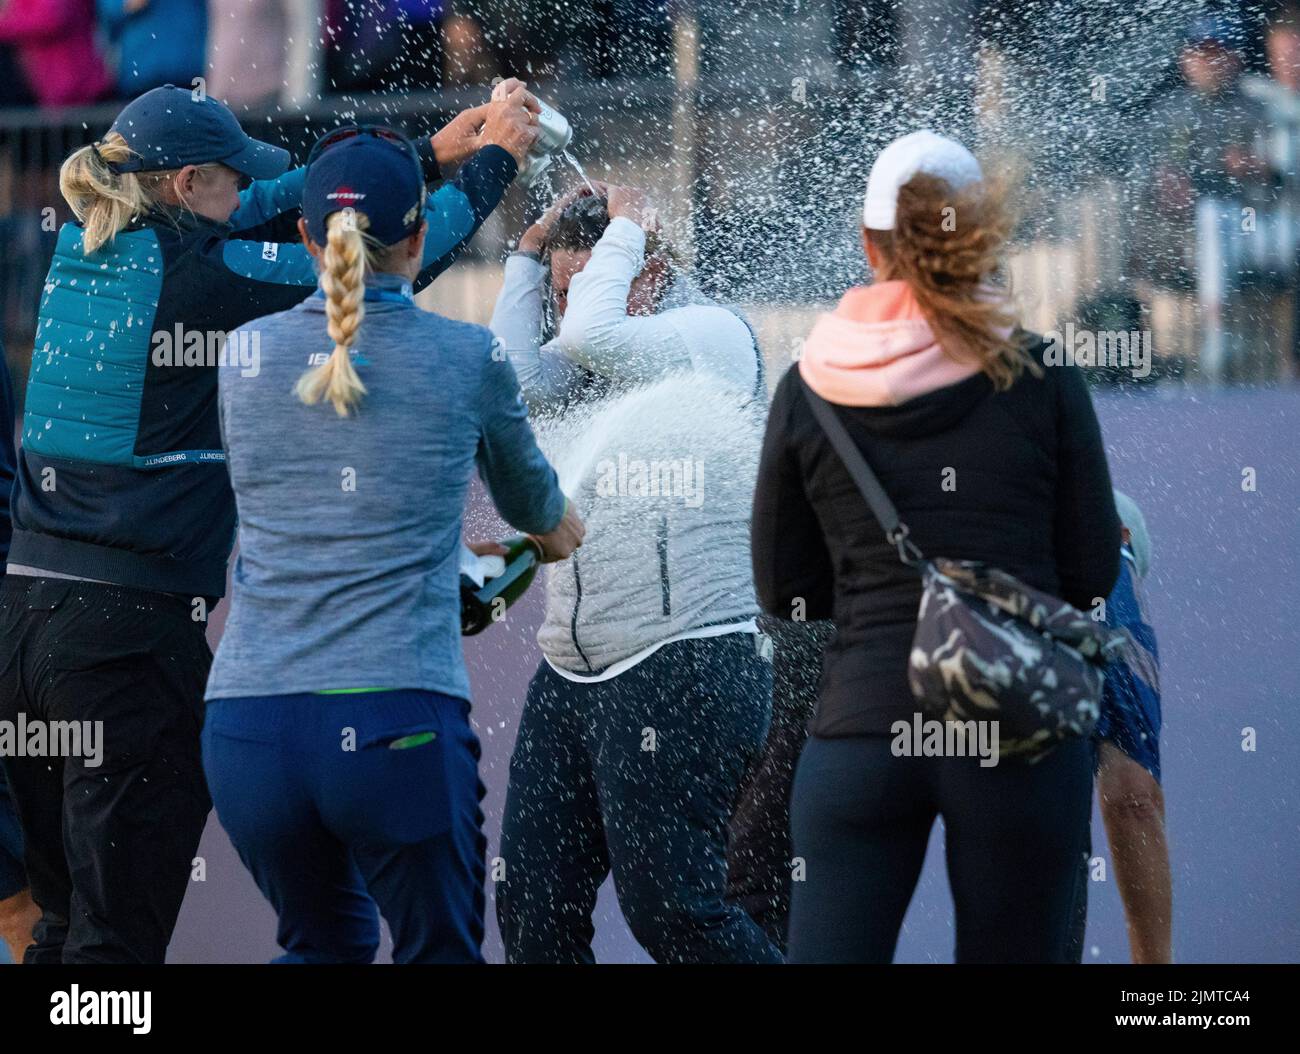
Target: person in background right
x,y
1128,760
990,454
1279,94
1210,163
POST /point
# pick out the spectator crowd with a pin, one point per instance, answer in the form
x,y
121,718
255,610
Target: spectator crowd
x,y
255,53
1211,171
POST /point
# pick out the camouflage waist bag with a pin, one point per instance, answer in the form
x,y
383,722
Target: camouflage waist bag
x,y
988,647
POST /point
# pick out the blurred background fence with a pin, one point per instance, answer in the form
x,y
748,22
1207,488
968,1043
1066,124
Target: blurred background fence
x,y
753,124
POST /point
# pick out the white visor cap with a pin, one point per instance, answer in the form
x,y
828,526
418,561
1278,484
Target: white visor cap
x,y
923,151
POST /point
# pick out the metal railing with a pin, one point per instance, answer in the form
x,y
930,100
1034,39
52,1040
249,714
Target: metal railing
x,y
737,183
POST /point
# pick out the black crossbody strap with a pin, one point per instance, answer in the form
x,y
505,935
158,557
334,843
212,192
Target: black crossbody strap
x,y
895,529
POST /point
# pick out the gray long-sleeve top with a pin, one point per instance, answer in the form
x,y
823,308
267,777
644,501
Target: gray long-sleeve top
x,y
349,528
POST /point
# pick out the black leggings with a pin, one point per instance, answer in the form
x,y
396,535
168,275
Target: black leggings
x,y
1015,837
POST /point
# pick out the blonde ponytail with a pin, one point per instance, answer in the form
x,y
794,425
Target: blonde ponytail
x,y
103,201
343,274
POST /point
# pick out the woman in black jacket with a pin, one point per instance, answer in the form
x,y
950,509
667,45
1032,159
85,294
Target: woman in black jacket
x,y
990,454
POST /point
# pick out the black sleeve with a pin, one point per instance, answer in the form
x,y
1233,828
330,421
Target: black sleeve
x,y
483,179
429,161
7,459
791,562
1087,529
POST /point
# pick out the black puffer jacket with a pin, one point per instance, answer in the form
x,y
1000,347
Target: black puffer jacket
x,y
1032,495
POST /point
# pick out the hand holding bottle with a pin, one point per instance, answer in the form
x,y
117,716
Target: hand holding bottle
x,y
459,138
559,544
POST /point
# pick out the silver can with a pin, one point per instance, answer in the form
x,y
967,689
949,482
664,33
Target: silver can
x,y
554,135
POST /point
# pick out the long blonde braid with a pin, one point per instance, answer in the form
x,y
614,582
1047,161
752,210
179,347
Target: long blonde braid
x,y
343,278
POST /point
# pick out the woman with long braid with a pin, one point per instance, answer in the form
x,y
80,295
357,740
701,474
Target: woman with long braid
x,y
122,512
337,746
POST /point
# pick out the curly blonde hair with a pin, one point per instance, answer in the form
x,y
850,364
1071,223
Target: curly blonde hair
x,y
947,245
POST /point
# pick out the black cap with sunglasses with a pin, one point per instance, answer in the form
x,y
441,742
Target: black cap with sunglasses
x,y
371,169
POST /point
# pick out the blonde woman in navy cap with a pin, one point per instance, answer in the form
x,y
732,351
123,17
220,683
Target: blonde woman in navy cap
x,y
338,745
122,514
989,454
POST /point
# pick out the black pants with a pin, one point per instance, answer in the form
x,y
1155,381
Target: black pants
x,y
108,848
758,852
1015,836
637,775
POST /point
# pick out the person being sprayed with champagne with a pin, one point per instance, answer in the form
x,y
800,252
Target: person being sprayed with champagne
x,y
653,697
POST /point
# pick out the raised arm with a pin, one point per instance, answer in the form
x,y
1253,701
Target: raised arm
x,y
598,333
488,139
500,134
546,376
456,210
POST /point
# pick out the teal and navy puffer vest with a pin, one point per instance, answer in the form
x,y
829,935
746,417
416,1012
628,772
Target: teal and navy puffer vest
x,y
121,476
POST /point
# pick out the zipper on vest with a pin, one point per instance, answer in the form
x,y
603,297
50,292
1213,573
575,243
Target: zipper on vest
x,y
662,545
573,622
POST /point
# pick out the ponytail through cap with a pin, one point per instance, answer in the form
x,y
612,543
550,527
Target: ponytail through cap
x,y
103,199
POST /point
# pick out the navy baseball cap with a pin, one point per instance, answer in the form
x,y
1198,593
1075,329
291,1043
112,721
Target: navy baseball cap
x,y
170,127
375,171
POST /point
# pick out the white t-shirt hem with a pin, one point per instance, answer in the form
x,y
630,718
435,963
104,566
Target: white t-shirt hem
x,y
623,665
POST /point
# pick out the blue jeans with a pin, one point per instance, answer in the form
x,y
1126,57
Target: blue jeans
x,y
639,775
340,821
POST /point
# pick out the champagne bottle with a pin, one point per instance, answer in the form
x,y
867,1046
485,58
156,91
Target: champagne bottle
x,y
480,606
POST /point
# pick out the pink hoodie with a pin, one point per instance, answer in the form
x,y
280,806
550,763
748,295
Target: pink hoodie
x,y
877,349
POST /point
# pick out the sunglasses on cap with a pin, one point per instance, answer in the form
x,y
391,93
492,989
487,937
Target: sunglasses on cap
x,y
352,131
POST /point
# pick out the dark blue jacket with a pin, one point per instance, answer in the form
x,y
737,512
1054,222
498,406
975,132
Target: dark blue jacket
x,y
121,476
